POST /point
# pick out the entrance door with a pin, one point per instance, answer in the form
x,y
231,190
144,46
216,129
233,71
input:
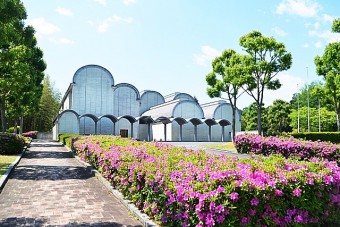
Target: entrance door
x,y
124,133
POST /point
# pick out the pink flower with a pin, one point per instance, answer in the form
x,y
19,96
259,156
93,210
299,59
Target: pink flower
x,y
297,192
278,193
234,196
254,202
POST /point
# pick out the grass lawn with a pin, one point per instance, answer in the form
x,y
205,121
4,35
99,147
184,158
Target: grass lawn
x,y
5,161
223,146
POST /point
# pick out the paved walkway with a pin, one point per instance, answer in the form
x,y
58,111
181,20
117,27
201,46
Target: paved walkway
x,y
50,188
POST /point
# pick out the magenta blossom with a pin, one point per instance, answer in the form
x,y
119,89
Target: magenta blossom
x,y
234,196
297,192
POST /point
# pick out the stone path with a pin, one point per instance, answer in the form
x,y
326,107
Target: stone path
x,y
50,188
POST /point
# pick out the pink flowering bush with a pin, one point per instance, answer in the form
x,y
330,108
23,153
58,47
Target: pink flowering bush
x,y
31,134
288,147
181,187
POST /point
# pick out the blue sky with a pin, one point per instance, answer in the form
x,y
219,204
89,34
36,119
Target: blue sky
x,y
168,46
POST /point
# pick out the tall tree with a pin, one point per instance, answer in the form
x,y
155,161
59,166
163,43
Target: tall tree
x,y
269,57
278,117
249,118
21,63
225,77
328,66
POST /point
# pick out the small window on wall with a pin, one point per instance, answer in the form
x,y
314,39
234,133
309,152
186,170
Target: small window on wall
x,y
124,133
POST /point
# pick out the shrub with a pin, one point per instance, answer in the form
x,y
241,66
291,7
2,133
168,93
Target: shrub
x,y
66,139
288,147
11,129
31,134
11,144
181,187
333,137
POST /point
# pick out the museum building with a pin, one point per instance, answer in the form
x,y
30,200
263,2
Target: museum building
x,y
94,104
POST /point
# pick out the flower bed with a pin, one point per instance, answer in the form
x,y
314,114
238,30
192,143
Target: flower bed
x,y
11,144
288,147
180,187
31,134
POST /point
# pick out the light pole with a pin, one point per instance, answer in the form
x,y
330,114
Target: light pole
x,y
308,114
319,116
298,110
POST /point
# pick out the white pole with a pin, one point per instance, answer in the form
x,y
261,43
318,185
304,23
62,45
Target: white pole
x,y
308,116
298,107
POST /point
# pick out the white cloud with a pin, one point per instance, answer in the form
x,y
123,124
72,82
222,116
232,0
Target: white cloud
x,y
101,2
303,8
279,31
318,44
289,87
316,25
328,18
129,2
327,36
64,11
62,41
104,26
43,27
90,22
306,45
206,56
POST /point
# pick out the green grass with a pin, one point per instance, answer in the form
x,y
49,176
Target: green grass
x,y
5,161
223,146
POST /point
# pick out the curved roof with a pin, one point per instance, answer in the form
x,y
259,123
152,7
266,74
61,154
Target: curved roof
x,y
188,101
210,122
109,116
223,122
130,118
142,93
92,116
195,121
177,95
210,108
69,110
128,85
145,119
92,66
179,120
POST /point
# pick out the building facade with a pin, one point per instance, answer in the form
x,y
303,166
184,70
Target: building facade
x,y
94,104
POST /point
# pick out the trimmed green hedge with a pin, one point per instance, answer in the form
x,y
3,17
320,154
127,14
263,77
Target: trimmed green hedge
x,y
333,137
66,139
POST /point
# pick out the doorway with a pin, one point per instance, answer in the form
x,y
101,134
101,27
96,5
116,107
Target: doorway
x,y
124,133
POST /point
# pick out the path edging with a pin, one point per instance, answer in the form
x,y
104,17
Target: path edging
x,y
117,194
5,176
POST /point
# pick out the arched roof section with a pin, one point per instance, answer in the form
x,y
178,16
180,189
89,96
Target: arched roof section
x,y
164,120
179,120
178,95
92,116
196,106
211,107
145,120
78,72
130,86
195,121
210,122
162,110
143,93
109,116
223,122
131,119
69,110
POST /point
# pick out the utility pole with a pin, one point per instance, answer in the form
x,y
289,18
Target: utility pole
x,y
308,113
319,116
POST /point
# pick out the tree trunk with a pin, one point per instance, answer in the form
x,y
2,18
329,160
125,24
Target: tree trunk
x,y
3,119
259,120
21,124
15,129
233,123
338,118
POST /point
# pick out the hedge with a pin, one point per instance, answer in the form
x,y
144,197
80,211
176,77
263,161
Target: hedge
x,y
11,144
333,137
66,139
181,187
288,147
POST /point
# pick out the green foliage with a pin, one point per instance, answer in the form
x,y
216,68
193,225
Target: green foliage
x,y
11,129
328,66
66,139
11,144
336,25
333,137
327,119
5,161
278,117
249,118
268,58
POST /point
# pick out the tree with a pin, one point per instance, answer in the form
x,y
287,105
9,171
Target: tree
x,y
278,117
269,57
225,77
328,66
21,63
327,119
249,118
48,107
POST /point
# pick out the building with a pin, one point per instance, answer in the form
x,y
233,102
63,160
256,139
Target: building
x,y
94,104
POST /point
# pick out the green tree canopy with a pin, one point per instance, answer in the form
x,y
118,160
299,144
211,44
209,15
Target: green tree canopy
x,y
278,117
268,58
